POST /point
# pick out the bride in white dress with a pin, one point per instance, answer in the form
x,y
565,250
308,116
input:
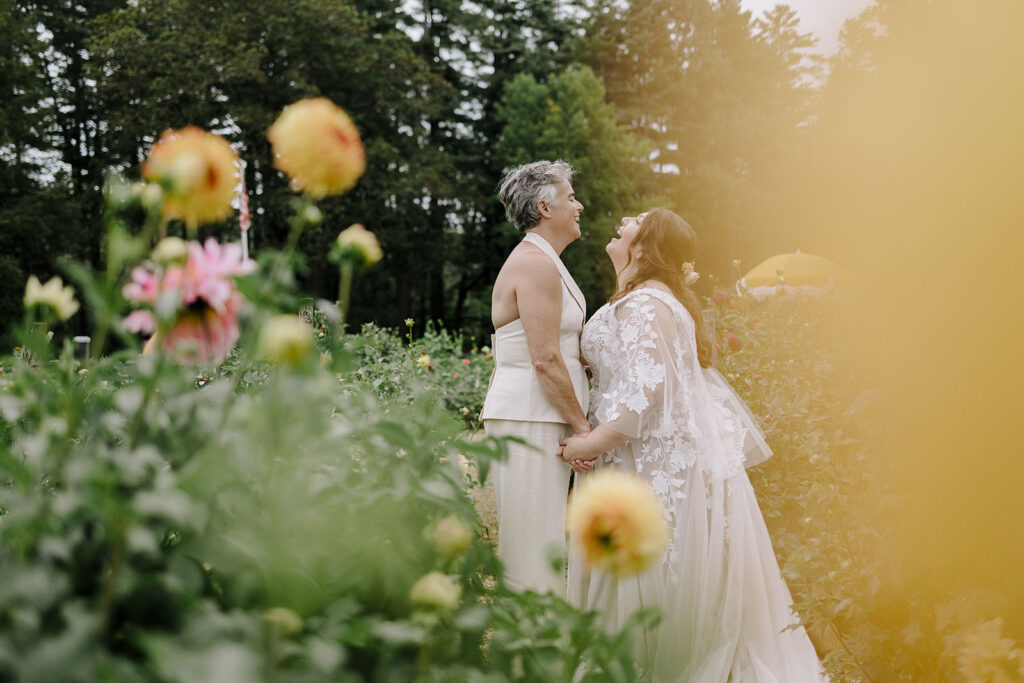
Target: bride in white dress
x,y
662,413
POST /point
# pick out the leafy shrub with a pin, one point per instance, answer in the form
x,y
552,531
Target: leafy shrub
x,y
258,520
400,366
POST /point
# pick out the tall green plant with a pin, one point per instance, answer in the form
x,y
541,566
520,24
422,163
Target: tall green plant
x,y
167,517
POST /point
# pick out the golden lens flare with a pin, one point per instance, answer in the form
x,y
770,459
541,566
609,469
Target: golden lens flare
x,y
317,146
199,170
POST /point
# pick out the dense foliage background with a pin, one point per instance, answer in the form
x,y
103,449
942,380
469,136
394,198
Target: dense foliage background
x,y
684,104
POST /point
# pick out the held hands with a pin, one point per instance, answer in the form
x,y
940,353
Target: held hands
x,y
574,451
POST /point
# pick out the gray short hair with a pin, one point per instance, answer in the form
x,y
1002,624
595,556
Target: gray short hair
x,y
525,185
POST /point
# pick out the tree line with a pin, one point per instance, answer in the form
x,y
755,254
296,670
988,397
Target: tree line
x,y
693,105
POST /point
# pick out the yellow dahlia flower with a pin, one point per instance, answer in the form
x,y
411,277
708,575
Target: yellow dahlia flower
x,y
617,522
316,145
54,295
200,172
286,340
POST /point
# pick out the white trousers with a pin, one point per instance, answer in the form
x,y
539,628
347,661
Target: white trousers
x,y
531,488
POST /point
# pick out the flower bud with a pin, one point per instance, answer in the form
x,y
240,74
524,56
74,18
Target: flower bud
x,y
285,340
451,536
359,244
436,591
151,195
312,215
118,191
170,251
289,622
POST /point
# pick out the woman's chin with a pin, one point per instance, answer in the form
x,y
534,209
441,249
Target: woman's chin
x,y
615,263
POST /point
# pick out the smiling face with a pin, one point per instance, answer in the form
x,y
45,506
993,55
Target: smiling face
x,y
563,213
619,247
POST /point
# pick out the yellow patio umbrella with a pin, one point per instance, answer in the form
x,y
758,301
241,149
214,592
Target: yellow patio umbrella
x,y
796,273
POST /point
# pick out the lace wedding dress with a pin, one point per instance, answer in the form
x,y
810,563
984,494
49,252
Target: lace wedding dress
x,y
725,607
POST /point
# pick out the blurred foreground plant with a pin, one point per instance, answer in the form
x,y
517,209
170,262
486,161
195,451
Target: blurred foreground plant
x,y
168,517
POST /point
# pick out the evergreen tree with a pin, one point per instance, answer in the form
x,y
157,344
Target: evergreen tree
x,y
566,117
716,93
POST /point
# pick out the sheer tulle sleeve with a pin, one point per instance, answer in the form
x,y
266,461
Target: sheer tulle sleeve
x,y
755,448
655,392
648,376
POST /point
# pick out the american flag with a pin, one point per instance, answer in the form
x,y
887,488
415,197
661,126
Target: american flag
x,y
243,207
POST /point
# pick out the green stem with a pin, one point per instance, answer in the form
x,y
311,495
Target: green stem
x,y
344,291
154,225
284,256
246,351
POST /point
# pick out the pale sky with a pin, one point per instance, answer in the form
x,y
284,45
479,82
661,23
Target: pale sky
x,y
823,18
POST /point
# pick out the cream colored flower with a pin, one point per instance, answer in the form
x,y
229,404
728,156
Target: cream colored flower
x,y
285,339
312,214
171,251
690,276
436,590
423,361
316,144
617,522
60,299
200,172
150,195
289,622
357,241
451,536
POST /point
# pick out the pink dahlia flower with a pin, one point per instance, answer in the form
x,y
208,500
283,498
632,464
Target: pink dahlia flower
x,y
205,302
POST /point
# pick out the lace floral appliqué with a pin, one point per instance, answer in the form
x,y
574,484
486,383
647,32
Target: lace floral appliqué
x,y
648,385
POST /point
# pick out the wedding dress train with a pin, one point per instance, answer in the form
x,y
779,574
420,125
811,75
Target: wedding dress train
x,y
726,610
